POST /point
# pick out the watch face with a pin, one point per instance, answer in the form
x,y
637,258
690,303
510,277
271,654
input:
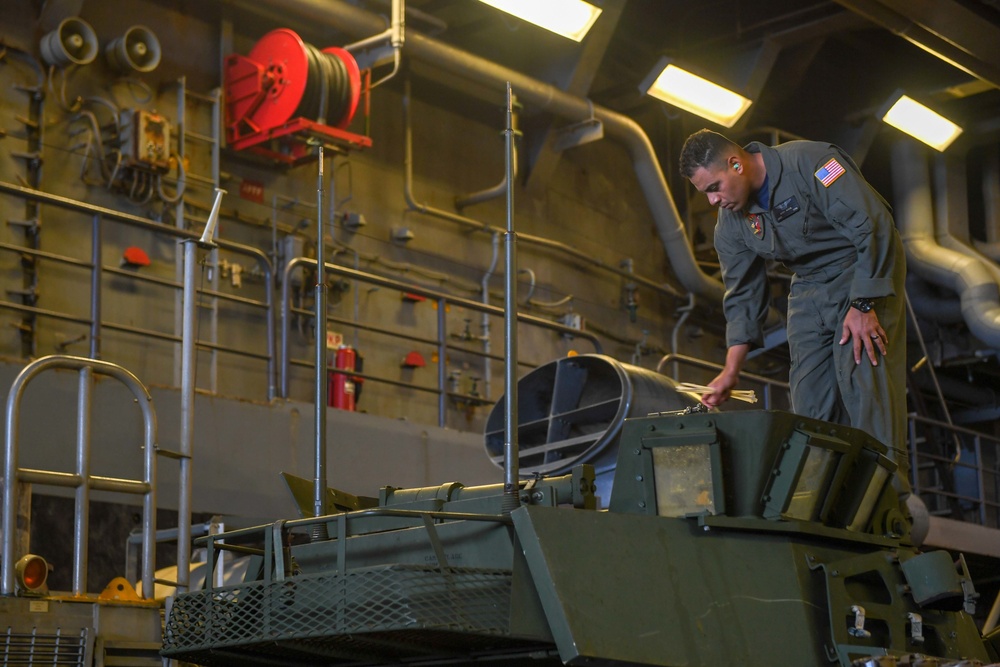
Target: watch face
x,y
864,305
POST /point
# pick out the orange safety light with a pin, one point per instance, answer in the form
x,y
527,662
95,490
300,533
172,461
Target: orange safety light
x,y
31,573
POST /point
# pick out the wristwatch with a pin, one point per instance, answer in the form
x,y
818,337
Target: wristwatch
x,y
863,304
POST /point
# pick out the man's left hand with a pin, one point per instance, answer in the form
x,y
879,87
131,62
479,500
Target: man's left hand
x,y
865,331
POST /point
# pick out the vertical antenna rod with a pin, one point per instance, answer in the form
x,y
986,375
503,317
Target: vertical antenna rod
x,y
511,483
322,391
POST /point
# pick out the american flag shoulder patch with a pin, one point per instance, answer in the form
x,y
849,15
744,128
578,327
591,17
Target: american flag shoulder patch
x,y
830,172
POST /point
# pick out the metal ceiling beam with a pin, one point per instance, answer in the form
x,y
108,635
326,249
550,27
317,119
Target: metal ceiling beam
x,y
943,28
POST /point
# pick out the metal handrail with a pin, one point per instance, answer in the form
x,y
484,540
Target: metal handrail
x,y
273,534
82,480
95,265
978,440
441,341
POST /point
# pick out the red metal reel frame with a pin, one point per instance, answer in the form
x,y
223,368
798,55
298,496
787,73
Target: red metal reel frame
x,y
263,91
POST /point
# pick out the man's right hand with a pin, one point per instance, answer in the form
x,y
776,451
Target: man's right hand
x,y
725,382
722,386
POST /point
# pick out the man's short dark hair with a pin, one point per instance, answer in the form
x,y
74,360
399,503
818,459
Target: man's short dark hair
x,y
704,148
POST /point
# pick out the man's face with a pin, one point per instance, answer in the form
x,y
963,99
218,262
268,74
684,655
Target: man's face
x,y
725,186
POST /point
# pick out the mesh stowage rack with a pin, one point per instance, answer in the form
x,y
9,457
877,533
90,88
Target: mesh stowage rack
x,y
366,614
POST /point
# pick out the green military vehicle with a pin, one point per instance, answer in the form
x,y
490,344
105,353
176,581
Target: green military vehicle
x,y
737,538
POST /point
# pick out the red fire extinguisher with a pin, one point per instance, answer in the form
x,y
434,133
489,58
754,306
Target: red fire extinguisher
x,y
344,389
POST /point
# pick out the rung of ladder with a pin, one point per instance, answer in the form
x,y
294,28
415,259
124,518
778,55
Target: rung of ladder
x,y
202,96
198,136
201,179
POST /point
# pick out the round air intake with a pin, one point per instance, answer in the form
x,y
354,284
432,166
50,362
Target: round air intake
x,y
570,411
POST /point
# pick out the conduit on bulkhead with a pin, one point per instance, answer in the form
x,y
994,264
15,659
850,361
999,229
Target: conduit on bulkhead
x,y
979,293
350,19
942,234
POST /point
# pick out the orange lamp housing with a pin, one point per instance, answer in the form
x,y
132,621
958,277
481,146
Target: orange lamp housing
x,y
30,573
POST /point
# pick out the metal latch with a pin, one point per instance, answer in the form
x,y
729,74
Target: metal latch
x,y
859,623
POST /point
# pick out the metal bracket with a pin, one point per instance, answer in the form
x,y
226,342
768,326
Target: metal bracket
x,y
916,627
859,623
435,540
578,134
969,593
30,225
278,549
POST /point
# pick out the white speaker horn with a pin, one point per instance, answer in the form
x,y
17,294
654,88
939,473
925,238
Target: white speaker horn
x,y
138,50
73,42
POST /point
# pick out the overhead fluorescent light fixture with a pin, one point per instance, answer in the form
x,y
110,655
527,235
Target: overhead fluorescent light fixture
x,y
569,18
697,95
920,122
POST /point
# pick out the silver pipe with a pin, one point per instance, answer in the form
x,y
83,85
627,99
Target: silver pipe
x,y
72,480
189,381
96,254
208,235
500,188
81,509
979,292
476,225
395,34
942,233
487,347
511,489
322,391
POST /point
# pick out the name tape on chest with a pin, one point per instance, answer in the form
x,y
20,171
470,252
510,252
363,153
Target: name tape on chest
x,y
829,172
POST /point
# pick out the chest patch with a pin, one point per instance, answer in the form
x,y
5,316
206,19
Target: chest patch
x,y
786,208
830,172
756,224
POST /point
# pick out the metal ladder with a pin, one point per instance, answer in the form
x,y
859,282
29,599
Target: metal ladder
x,y
212,139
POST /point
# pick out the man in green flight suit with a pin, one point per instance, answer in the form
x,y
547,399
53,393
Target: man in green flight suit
x,y
806,205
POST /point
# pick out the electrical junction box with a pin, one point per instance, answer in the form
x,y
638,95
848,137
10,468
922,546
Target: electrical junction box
x,y
146,139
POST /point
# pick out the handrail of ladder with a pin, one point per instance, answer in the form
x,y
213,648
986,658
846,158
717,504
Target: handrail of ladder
x,y
82,480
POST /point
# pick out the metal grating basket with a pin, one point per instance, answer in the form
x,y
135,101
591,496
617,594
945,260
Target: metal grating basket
x,y
19,649
310,614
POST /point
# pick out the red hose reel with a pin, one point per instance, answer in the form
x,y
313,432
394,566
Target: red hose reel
x,y
285,92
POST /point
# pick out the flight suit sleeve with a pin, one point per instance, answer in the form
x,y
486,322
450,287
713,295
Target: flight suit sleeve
x,y
857,211
745,279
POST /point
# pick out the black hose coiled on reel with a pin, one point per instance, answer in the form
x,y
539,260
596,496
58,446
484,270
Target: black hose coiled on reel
x,y
328,89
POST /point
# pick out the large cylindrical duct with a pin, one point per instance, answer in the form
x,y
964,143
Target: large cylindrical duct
x,y
571,410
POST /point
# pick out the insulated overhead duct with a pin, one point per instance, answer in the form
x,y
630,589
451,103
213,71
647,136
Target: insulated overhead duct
x,y
343,16
979,293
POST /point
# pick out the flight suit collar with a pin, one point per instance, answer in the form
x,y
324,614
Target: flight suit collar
x,y
772,165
